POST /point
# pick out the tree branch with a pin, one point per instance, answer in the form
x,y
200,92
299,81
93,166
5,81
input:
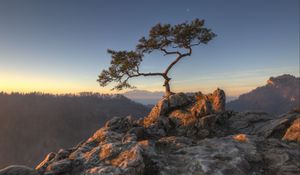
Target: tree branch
x,y
177,59
170,53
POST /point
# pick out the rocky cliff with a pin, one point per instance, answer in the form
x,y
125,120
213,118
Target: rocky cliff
x,y
279,95
183,134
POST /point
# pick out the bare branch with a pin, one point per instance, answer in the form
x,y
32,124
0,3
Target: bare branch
x,y
170,53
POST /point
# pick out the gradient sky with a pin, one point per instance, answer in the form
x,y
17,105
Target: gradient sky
x,y
59,46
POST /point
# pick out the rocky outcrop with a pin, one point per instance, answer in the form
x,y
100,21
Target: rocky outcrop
x,y
172,140
194,105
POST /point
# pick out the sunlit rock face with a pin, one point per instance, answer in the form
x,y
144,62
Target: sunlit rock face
x,y
293,132
174,140
191,106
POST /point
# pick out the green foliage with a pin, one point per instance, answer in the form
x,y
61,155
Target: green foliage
x,y
178,40
123,64
183,35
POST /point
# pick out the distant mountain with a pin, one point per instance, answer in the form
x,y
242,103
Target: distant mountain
x,y
143,96
34,124
278,96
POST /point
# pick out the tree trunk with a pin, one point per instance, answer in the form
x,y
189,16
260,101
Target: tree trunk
x,y
167,87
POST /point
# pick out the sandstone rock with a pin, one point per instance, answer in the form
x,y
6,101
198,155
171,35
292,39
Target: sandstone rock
x,y
18,170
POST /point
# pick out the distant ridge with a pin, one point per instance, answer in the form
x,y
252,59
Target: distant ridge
x,y
33,124
278,96
143,96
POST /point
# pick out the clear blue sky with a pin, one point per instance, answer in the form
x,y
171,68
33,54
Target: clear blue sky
x,y
60,45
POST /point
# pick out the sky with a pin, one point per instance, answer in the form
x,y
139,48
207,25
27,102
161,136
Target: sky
x,y
59,46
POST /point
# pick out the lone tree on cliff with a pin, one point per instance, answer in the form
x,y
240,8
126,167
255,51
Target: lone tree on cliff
x,y
176,40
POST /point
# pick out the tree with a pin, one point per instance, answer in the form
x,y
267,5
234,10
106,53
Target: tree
x,y
176,40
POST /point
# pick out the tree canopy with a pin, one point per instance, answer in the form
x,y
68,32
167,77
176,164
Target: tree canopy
x,y
177,40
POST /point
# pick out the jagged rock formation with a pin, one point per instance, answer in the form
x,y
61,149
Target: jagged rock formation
x,y
279,95
174,139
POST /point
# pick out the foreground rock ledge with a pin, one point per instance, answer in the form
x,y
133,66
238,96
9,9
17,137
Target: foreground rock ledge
x,y
186,134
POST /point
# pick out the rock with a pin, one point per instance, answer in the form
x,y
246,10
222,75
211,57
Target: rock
x,y
240,138
184,111
160,109
178,100
208,122
208,104
120,124
248,122
18,170
277,127
45,163
293,132
130,161
165,105
282,158
182,118
201,108
218,100
59,167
